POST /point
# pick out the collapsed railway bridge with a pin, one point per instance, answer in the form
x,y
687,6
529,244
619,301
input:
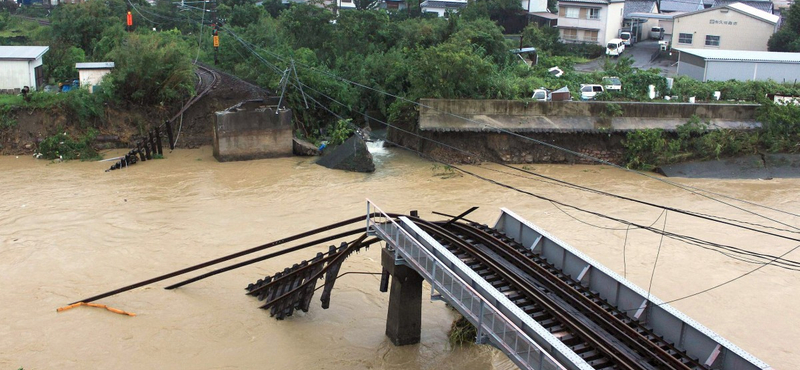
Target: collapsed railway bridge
x,y
542,302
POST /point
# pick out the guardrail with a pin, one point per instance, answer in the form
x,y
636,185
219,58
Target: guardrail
x,y
489,321
675,327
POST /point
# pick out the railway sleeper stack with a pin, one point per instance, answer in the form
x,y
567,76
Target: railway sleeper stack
x,y
293,288
146,148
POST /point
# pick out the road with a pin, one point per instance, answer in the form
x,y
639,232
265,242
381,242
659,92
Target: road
x,y
642,53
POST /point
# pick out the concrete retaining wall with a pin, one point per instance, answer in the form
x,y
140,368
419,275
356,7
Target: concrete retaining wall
x,y
575,116
252,131
582,127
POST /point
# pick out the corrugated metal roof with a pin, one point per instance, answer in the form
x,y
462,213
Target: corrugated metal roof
x,y
744,8
22,52
759,4
741,8
95,65
743,55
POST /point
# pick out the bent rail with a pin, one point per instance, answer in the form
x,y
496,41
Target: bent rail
x,y
449,276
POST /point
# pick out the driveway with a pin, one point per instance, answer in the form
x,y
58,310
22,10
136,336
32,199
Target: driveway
x,y
642,53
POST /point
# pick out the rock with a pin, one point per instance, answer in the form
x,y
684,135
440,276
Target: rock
x,y
304,148
28,146
352,155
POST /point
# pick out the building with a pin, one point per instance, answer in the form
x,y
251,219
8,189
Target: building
x,y
729,27
91,74
21,66
764,5
722,65
442,7
639,26
589,21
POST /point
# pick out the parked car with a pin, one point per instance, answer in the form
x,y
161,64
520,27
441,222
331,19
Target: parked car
x,y
612,84
541,95
615,47
590,91
657,33
626,38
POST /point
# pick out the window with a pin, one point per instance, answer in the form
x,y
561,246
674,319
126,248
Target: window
x,y
570,34
590,36
685,38
594,13
712,40
572,12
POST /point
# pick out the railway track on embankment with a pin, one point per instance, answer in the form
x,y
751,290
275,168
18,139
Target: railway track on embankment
x,y
601,334
207,80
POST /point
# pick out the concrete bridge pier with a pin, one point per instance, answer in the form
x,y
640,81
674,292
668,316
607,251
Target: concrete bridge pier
x,y
404,320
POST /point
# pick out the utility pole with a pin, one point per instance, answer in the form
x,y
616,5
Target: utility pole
x,y
215,31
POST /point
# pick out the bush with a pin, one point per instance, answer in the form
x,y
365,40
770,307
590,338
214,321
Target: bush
x,y
63,146
152,69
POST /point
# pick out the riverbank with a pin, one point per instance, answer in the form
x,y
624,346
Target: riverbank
x,y
69,230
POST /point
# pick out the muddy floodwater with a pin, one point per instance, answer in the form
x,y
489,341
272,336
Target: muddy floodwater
x,y
69,231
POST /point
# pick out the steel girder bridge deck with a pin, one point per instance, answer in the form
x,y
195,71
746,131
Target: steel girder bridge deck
x,y
542,302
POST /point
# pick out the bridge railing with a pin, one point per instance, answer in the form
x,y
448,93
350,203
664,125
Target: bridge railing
x,y
488,320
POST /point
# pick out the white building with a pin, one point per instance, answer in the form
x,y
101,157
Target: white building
x,y
730,27
742,65
441,7
91,74
21,66
589,21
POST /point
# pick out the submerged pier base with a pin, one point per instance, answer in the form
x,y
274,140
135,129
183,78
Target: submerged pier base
x,y
404,320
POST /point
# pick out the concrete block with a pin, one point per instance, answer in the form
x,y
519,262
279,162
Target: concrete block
x,y
352,155
252,130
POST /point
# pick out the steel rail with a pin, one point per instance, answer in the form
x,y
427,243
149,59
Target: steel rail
x,y
223,259
623,360
263,258
613,324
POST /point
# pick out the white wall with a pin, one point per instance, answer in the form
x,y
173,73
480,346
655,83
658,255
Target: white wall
x,y
17,74
613,22
534,6
90,77
737,31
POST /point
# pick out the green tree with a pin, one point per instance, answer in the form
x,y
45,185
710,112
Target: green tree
x,y
152,69
82,25
787,39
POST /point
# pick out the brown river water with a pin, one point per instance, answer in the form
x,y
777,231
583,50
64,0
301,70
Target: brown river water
x,y
69,231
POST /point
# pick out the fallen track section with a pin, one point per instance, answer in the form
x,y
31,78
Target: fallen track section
x,y
603,336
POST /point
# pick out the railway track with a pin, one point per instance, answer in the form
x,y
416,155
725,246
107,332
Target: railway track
x,y
207,79
42,22
605,337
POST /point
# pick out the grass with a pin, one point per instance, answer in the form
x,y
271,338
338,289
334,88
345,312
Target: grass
x,y
462,332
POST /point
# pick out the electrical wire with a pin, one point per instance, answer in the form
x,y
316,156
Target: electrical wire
x,y
658,253
693,190
785,264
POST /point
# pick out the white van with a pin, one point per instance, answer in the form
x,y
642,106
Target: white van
x,y
615,47
657,33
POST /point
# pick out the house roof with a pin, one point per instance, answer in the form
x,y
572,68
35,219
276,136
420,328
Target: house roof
x,y
95,65
743,55
443,4
638,6
681,5
766,6
22,52
741,8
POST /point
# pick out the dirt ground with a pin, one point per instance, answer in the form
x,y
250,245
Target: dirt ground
x,y
124,125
